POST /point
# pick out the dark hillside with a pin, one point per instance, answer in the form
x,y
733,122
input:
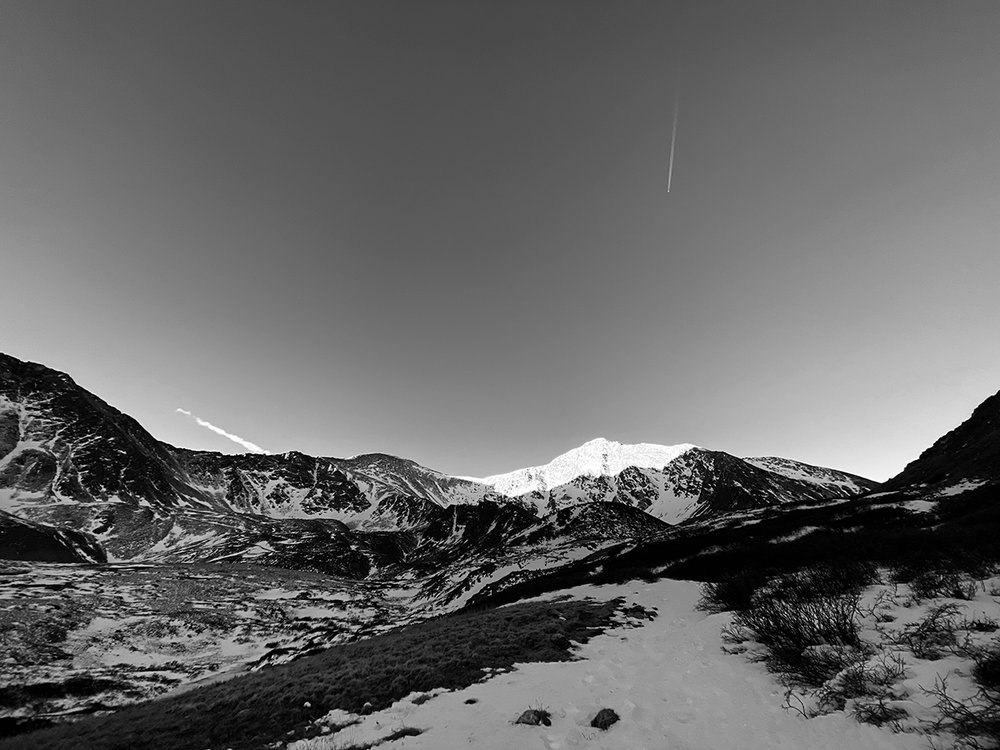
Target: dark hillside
x,y
969,452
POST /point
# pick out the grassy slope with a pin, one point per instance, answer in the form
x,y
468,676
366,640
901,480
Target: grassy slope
x,y
257,709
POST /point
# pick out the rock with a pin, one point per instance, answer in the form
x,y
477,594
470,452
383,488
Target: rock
x,y
470,701
535,717
605,718
367,709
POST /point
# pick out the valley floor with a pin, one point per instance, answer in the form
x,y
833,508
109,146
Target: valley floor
x,y
668,679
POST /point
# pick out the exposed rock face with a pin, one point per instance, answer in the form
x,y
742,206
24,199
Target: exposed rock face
x,y
699,483
88,478
86,481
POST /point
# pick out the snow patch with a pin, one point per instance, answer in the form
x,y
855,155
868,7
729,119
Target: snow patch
x,y
964,486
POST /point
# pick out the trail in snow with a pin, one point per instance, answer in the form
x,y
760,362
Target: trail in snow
x,y
669,680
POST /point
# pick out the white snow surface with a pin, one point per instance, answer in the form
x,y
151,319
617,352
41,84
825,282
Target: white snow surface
x,y
669,681
964,486
831,479
598,457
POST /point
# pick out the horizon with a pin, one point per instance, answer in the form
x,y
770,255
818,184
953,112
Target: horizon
x,y
441,230
483,478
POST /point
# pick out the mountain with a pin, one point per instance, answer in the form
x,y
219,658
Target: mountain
x,y
95,485
674,483
966,457
380,475
941,513
599,457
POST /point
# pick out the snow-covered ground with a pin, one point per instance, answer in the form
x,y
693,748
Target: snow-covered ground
x,y
668,679
148,629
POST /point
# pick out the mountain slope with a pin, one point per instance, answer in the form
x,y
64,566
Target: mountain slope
x,y
69,462
380,475
673,483
595,458
969,454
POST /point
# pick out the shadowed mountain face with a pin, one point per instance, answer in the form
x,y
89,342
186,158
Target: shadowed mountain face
x,y
85,481
24,540
968,454
70,462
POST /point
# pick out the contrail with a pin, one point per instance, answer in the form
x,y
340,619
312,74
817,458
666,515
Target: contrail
x,y
673,137
252,447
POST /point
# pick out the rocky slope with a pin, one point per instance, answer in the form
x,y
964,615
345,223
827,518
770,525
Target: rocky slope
x,y
969,455
673,483
86,481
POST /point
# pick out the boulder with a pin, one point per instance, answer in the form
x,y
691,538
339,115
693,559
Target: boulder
x,y
605,718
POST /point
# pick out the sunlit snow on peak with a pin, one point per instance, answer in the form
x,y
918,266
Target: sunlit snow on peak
x,y
597,457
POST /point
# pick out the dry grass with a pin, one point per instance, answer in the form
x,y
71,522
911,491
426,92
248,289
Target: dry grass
x,y
280,703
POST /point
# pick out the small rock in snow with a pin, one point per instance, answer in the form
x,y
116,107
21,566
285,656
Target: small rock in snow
x,y
605,718
535,717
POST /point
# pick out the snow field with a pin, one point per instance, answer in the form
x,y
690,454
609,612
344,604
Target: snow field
x,y
669,680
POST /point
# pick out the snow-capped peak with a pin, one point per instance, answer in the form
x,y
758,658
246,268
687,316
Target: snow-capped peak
x,y
598,457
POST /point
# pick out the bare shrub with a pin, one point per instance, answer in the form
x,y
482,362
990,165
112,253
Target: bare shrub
x,y
935,635
733,593
872,678
793,621
938,581
987,668
974,722
879,712
981,624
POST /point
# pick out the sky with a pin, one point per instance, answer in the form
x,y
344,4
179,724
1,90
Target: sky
x,y
441,230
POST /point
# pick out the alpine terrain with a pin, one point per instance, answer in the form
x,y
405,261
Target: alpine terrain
x,y
134,569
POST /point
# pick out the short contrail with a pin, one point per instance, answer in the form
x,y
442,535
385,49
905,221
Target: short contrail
x,y
252,447
673,137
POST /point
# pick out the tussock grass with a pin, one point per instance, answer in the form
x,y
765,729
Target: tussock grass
x,y
258,709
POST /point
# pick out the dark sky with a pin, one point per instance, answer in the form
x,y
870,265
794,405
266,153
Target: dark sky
x,y
440,229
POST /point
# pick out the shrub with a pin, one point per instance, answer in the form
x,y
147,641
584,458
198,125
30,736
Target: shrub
x,y
809,619
733,593
864,678
982,624
736,591
793,628
935,635
974,722
879,713
954,584
987,669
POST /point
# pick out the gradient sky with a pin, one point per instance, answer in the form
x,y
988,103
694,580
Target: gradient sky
x,y
440,229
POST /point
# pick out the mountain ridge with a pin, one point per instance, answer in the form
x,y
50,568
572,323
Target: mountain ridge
x,y
71,462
